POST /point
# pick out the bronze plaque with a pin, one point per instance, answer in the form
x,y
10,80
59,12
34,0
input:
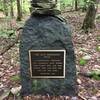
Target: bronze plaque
x,y
47,63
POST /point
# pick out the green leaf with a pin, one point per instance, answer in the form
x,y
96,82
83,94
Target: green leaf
x,y
96,77
82,62
95,74
98,48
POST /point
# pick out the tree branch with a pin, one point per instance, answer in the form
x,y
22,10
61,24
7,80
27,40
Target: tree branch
x,y
10,45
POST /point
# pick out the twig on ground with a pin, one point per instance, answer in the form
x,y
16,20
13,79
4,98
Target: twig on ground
x,y
10,45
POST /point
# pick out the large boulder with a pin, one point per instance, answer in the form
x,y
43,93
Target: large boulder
x,y
46,33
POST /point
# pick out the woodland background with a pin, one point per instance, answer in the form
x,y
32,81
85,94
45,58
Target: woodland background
x,y
84,19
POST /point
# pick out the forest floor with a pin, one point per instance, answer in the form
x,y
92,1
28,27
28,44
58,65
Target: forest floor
x,y
87,46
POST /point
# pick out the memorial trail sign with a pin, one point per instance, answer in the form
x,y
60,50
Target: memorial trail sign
x,y
47,63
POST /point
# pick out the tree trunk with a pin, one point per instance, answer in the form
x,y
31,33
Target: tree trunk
x,y
89,21
76,5
5,7
11,8
19,12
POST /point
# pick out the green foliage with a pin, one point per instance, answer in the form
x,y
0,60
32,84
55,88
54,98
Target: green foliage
x,y
71,3
1,5
98,17
85,5
98,37
95,75
91,1
3,33
7,33
15,78
25,7
26,4
98,48
82,62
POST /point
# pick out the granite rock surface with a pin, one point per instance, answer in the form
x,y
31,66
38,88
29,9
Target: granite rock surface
x,y
46,33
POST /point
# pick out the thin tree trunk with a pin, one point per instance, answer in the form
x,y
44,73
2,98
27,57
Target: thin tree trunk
x,y
11,8
5,7
19,12
76,5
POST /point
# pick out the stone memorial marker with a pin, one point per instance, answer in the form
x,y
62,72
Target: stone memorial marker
x,y
47,55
